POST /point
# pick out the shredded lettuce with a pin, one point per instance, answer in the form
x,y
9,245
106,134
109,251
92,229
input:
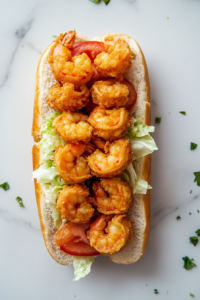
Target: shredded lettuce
x,y
82,266
47,173
50,139
138,185
141,141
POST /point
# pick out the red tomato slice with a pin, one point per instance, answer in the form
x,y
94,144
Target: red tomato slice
x,y
132,94
78,243
92,49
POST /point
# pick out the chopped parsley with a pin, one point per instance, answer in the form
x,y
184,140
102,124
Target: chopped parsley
x,y
95,1
197,178
190,191
5,186
182,112
191,295
194,240
19,200
193,146
188,263
155,291
190,213
198,232
54,36
157,120
198,211
106,1
178,217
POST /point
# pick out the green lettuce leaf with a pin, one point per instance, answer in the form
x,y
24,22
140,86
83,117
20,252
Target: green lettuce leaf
x,y
141,142
138,185
47,173
82,266
56,215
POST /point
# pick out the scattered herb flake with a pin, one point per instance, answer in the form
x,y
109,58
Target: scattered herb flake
x,y
194,240
178,217
190,213
19,200
197,178
95,1
198,232
188,264
155,291
157,120
182,112
106,1
54,36
198,211
190,191
191,295
5,186
193,146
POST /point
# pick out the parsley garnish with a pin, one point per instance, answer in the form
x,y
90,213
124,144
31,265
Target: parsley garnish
x,y
54,36
106,1
155,291
182,112
157,120
193,146
190,191
19,200
194,240
95,1
190,213
178,217
188,264
197,178
198,232
191,295
5,186
198,211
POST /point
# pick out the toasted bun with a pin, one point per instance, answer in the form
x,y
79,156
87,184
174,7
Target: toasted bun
x,y
139,214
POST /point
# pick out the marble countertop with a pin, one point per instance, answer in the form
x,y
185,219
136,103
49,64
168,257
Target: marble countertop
x,y
168,33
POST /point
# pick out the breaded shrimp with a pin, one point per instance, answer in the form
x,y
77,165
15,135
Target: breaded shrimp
x,y
109,234
71,166
115,60
112,196
109,93
67,97
116,158
74,205
73,127
76,70
110,124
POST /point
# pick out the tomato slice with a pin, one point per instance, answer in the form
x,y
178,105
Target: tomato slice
x,y
132,94
77,242
92,49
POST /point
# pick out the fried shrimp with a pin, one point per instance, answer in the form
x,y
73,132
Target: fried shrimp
x,y
110,93
66,97
116,158
110,124
74,204
112,196
109,234
73,127
76,70
71,166
115,60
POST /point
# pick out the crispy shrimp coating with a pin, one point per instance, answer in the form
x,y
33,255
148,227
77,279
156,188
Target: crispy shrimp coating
x,y
74,204
76,70
110,124
112,196
109,93
115,60
73,127
109,234
66,97
116,158
71,166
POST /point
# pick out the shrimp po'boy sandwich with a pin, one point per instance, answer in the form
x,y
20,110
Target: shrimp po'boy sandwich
x,y
92,157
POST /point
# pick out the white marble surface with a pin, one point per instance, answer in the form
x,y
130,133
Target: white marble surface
x,y
168,32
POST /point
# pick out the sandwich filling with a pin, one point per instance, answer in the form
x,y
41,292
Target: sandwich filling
x,y
87,147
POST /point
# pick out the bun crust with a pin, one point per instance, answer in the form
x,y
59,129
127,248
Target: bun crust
x,y
139,214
